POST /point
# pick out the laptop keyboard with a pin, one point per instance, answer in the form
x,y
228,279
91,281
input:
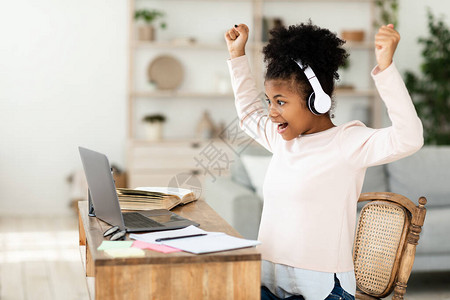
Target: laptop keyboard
x,y
137,220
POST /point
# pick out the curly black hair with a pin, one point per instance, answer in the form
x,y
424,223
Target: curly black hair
x,y
316,47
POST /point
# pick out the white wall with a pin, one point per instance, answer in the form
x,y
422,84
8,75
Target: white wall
x,y
62,84
63,76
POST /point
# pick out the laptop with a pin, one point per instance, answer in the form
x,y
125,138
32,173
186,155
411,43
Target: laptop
x,y
106,203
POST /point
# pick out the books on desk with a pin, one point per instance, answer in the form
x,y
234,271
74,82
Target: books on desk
x,y
195,240
146,198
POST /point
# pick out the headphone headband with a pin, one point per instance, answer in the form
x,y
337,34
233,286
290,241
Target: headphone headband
x,y
319,102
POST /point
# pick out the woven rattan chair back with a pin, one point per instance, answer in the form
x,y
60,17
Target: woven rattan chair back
x,y
387,234
378,244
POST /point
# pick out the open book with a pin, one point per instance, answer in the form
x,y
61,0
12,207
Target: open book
x,y
146,198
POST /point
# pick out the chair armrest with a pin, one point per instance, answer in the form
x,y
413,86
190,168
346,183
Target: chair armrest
x,y
238,205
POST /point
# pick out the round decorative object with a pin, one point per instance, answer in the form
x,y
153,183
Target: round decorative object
x,y
166,71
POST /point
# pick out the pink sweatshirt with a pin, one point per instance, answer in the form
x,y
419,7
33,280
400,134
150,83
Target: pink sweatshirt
x,y
313,181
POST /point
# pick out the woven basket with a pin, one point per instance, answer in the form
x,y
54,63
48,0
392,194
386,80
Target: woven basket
x,y
382,227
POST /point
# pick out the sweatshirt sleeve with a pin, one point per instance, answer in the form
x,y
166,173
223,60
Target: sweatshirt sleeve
x,y
365,147
253,118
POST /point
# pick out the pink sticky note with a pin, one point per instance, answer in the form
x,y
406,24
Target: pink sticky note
x,y
154,247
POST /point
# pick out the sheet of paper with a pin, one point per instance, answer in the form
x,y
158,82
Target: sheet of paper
x,y
210,243
154,247
105,245
152,236
125,252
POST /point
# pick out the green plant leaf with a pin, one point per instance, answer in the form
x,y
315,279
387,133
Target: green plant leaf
x,y
148,16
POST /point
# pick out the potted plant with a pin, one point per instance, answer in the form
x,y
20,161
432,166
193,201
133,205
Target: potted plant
x,y
431,90
146,31
153,125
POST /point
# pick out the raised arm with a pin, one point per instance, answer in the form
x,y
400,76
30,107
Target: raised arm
x,y
386,41
236,39
252,114
368,147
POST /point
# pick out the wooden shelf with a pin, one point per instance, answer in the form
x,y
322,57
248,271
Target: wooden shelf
x,y
349,45
179,45
316,1
195,142
355,93
262,1
175,94
178,94
359,45
187,45
209,0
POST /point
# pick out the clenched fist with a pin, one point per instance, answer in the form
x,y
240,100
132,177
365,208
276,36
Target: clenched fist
x,y
236,39
386,41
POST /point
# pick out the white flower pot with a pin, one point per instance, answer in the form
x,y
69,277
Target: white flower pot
x,y
153,131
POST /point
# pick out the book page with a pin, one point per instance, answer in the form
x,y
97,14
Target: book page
x,y
180,192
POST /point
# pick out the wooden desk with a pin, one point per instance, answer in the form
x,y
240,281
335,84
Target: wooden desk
x,y
223,275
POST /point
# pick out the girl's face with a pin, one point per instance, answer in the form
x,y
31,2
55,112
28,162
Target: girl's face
x,y
289,110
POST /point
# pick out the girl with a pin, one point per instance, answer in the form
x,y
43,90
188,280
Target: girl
x,y
317,169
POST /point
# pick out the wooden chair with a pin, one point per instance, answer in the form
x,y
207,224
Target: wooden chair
x,y
385,244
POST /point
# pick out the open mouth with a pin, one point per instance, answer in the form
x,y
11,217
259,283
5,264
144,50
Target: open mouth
x,y
282,127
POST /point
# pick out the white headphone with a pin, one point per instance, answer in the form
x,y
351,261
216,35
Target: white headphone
x,y
318,102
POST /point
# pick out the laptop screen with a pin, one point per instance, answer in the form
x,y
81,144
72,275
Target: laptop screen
x,y
102,188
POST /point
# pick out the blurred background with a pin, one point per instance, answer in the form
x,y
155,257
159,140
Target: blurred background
x,y
95,74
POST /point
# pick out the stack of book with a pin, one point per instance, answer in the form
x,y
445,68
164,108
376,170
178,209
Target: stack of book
x,y
146,198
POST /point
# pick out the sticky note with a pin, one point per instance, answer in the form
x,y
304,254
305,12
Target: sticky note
x,y
125,252
115,245
154,247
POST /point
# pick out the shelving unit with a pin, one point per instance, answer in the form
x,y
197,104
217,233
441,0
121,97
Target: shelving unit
x,y
257,10
254,48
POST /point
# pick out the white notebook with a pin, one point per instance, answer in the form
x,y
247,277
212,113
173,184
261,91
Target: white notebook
x,y
211,242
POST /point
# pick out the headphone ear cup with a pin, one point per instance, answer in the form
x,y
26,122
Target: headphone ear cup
x,y
311,100
319,105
